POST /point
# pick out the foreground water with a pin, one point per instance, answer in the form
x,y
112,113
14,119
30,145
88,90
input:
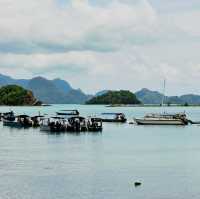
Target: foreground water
x,y
101,165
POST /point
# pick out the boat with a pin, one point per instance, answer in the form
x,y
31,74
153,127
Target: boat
x,y
36,120
114,117
20,121
68,113
10,116
163,119
94,124
53,124
77,124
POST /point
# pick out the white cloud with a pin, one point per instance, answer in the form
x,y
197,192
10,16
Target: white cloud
x,y
120,44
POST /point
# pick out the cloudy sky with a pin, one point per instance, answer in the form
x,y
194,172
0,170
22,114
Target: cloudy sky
x,y
101,44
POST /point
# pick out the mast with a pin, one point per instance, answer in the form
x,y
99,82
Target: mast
x,y
164,88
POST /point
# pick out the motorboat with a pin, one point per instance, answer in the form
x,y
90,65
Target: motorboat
x,y
77,124
68,113
114,117
20,121
53,124
94,124
36,120
9,116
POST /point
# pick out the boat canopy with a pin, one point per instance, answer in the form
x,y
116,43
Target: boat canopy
x,y
23,116
68,112
58,118
112,113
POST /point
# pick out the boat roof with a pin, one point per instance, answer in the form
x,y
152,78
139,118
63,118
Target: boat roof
x,y
23,116
68,112
96,119
112,113
38,116
76,117
56,117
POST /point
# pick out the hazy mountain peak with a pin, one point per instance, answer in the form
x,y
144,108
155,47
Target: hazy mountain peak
x,y
48,91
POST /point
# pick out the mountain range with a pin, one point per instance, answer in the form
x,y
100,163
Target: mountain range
x,y
58,91
147,96
55,91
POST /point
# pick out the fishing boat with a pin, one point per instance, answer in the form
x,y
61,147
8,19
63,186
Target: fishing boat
x,y
68,113
77,124
36,120
114,117
53,124
163,119
9,116
20,121
94,124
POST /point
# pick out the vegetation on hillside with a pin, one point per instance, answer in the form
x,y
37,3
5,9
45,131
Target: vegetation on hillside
x,y
14,95
115,97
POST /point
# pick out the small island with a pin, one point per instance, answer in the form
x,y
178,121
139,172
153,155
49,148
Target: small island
x,y
13,95
115,97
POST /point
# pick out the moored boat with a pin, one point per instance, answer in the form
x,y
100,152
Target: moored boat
x,y
94,124
163,119
114,117
68,113
9,116
77,124
20,121
53,124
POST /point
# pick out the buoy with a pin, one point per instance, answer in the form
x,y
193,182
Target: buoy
x,y
137,184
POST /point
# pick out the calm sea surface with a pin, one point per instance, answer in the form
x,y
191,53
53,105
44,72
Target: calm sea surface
x,y
101,165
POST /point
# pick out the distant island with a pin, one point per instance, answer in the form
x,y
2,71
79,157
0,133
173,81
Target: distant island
x,y
115,97
13,95
147,96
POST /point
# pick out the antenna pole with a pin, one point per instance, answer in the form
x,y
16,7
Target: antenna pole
x,y
163,99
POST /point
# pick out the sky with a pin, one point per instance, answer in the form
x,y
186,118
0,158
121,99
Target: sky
x,y
100,44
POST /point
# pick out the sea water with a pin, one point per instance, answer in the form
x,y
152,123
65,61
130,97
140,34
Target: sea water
x,y
165,159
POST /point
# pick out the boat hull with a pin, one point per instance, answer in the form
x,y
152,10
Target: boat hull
x,y
14,124
159,122
114,120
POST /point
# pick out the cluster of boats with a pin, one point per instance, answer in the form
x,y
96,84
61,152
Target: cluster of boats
x,y
71,121
67,120
63,121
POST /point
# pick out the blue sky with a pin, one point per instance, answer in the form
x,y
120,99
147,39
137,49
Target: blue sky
x,y
97,44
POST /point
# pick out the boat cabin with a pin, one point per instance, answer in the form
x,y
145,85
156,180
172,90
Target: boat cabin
x,y
77,124
24,120
10,116
53,124
94,124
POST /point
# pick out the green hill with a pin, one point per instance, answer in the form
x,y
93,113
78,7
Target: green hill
x,y
115,97
13,95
